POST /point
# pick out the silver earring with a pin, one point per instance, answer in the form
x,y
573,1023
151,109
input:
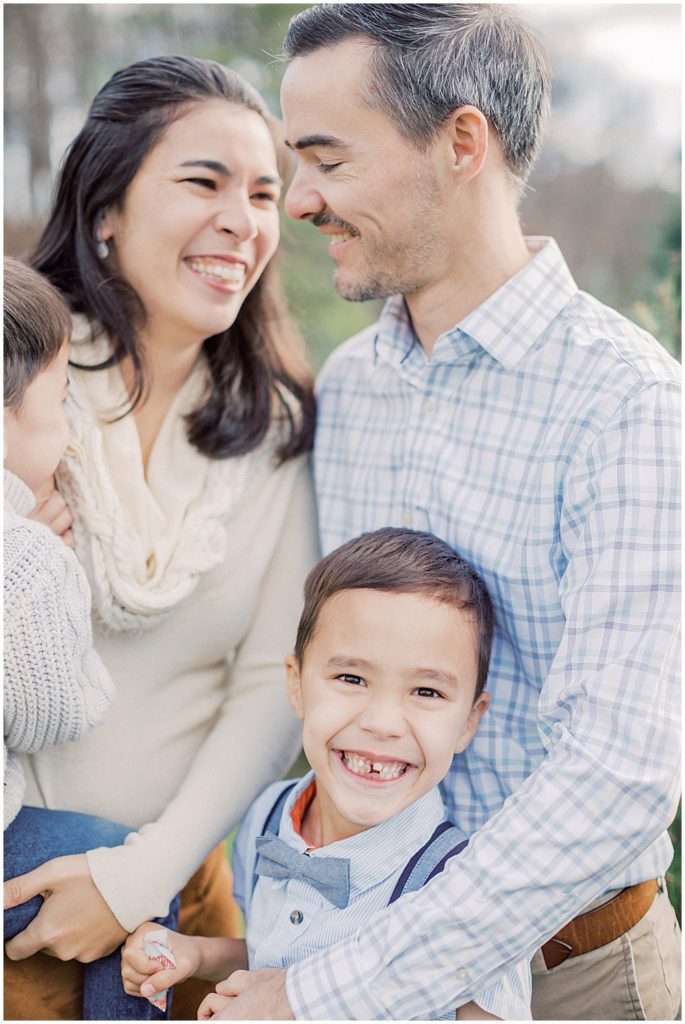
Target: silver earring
x,y
102,248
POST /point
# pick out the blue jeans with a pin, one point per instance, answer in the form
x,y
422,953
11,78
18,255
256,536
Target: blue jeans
x,y
37,835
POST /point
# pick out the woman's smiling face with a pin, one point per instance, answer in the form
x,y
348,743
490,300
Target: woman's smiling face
x,y
199,222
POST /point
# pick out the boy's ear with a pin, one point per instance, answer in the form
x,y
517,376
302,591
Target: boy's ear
x,y
292,667
472,722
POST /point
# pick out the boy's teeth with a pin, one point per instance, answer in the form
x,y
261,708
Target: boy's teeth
x,y
234,273
362,766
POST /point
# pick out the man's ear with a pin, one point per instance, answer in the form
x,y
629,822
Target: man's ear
x,y
292,667
467,135
472,722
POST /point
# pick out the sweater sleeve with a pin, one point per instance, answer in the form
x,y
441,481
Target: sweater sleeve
x,y
56,686
255,737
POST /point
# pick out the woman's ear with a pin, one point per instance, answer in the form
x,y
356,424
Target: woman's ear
x,y
104,225
479,708
292,667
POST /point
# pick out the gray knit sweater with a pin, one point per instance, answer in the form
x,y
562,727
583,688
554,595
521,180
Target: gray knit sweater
x,y
55,685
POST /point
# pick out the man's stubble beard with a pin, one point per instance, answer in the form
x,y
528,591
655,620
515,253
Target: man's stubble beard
x,y
401,267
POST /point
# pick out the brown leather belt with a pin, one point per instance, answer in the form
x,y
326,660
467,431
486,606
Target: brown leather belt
x,y
597,927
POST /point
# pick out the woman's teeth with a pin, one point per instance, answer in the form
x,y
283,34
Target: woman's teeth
x,y
384,770
232,273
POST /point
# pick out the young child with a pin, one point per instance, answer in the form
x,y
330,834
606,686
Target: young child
x,y
55,685
388,678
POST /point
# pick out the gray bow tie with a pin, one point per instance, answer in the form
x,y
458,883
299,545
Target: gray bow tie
x,y
329,875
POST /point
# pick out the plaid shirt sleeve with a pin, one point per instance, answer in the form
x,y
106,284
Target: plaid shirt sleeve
x,y
608,718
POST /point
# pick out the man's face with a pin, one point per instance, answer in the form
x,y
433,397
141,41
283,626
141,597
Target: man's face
x,y
378,198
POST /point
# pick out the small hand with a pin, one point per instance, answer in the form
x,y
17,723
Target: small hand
x,y
144,977
212,1005
51,510
250,995
74,922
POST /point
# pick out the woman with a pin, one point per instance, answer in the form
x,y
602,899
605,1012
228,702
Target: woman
x,y
191,410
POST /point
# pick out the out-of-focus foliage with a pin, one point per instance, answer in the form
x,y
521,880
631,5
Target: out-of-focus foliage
x,y
622,242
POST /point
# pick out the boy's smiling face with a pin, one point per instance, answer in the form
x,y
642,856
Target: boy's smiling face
x,y
386,693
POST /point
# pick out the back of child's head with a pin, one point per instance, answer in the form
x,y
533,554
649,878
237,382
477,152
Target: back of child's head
x,y
35,323
405,561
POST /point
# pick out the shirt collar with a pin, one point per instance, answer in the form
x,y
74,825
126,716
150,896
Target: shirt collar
x,y
380,851
506,325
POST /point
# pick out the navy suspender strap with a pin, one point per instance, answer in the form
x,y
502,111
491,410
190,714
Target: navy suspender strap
x,y
273,819
447,841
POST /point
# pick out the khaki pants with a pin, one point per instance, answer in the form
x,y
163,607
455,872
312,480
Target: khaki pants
x,y
635,977
43,988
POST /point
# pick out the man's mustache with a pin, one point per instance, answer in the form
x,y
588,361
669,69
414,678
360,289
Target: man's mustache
x,y
320,220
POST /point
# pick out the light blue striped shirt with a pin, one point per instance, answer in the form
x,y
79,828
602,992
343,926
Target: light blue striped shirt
x,y
541,440
377,857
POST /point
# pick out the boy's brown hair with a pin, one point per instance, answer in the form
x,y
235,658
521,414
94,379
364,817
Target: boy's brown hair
x,y
35,323
406,561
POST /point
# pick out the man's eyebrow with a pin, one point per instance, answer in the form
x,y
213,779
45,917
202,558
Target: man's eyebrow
x,y
322,141
225,172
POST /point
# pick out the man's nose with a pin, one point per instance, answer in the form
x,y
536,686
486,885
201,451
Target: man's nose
x,y
302,200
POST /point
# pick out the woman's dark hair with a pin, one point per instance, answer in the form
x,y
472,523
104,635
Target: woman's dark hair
x,y
257,363
35,325
404,562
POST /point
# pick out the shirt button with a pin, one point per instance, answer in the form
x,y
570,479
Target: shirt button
x,y
429,407
462,975
407,519
297,917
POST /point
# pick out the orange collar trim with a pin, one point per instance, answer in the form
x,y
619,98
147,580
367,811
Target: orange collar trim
x,y
300,808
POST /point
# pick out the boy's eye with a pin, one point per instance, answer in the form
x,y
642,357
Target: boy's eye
x,y
426,691
353,680
265,197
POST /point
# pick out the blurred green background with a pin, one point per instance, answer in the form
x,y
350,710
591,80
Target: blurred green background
x,y
606,186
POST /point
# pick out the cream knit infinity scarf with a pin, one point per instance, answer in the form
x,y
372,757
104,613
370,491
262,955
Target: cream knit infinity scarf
x,y
143,541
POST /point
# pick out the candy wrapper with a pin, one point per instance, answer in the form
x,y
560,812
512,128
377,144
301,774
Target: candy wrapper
x,y
157,949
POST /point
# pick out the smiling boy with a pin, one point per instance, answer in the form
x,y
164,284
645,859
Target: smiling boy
x,y
388,678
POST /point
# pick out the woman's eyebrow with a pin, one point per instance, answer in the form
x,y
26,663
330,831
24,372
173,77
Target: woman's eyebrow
x,y
225,172
210,165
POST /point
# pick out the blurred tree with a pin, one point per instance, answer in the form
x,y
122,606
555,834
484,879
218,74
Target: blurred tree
x,y
621,241
26,29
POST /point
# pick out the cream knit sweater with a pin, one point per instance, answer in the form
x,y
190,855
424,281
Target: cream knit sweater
x,y
200,724
55,685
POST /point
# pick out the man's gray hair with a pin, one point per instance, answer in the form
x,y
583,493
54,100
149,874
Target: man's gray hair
x,y
430,59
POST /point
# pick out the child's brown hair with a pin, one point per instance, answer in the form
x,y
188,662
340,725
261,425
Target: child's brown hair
x,y
35,323
409,562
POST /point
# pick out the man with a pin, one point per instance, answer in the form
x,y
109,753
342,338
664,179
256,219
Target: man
x,y
535,430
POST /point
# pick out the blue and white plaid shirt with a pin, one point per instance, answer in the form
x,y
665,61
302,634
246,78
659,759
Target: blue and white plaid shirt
x,y
541,441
